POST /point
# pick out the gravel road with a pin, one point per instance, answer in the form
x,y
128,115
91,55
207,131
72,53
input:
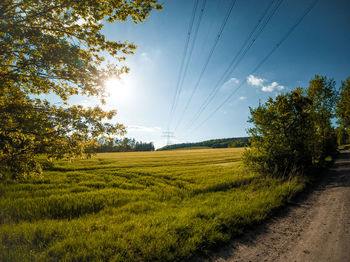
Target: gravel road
x,y
316,227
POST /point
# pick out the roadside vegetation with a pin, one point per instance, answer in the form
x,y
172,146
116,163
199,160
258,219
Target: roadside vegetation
x,y
343,113
137,206
293,134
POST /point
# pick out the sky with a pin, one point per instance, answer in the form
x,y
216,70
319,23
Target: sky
x,y
144,98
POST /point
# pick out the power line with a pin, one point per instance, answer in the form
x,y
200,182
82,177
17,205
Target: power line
x,y
252,37
192,46
289,32
211,52
242,52
207,31
193,41
182,62
168,135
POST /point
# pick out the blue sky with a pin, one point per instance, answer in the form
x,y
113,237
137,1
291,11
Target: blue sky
x,y
143,98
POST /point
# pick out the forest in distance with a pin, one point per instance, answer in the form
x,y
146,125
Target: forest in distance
x,y
122,145
212,143
130,144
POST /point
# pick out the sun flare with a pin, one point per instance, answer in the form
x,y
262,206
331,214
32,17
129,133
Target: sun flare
x,y
117,88
112,84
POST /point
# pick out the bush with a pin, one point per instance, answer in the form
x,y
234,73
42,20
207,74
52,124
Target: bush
x,y
293,132
278,138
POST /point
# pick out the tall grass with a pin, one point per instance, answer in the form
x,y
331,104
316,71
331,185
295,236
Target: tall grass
x,y
153,206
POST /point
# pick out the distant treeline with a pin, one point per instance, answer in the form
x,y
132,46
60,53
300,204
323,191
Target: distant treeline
x,y
123,145
214,143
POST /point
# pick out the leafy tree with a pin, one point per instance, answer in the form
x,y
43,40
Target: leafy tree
x,y
238,143
281,127
343,108
342,135
123,145
55,47
293,132
141,146
323,94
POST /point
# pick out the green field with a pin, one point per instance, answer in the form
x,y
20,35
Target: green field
x,y
152,206
193,147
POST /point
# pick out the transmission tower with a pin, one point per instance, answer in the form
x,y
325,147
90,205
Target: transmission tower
x,y
168,135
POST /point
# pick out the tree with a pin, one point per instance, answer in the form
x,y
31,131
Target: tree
x,y
281,127
324,96
55,47
293,132
342,135
142,146
238,143
123,145
343,109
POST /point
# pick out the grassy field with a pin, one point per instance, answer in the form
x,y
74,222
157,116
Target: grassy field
x,y
152,206
193,147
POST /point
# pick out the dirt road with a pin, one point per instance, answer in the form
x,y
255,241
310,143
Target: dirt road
x,y
315,228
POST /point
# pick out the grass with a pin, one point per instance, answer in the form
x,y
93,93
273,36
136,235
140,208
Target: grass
x,y
152,206
192,148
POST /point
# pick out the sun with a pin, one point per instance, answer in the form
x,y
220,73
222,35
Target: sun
x,y
117,88
111,85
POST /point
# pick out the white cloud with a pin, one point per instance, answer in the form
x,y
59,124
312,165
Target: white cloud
x,y
229,83
270,87
255,81
259,82
242,98
137,128
233,80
